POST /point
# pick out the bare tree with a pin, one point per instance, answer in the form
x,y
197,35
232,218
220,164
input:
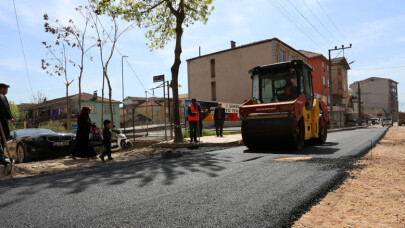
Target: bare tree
x,y
58,61
105,37
38,98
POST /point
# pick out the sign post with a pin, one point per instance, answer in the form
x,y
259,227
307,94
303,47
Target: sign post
x,y
161,78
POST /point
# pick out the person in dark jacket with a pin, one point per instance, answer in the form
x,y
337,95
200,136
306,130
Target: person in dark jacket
x,y
5,116
82,148
219,118
107,139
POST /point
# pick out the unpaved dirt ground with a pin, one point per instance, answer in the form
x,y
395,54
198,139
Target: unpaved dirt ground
x,y
374,196
57,165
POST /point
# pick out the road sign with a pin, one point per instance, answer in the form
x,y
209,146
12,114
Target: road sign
x,y
159,78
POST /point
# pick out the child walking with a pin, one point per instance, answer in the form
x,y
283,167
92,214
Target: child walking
x,y
107,138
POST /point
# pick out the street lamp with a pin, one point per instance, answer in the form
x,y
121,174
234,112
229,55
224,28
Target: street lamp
x,y
123,104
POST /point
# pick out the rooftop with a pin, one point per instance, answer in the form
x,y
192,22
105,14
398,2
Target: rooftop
x,y
248,45
85,97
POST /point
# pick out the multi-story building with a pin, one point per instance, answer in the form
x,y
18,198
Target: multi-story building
x,y
340,92
223,75
379,96
36,114
320,75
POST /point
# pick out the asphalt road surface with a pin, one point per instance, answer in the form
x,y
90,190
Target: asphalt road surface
x,y
223,188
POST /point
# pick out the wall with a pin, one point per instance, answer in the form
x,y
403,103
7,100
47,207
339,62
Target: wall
x,y
233,82
318,74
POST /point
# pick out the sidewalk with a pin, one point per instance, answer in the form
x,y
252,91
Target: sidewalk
x,y
373,195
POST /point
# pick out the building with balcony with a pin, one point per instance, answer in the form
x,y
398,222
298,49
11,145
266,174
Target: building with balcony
x,y
340,92
379,96
56,110
320,75
223,76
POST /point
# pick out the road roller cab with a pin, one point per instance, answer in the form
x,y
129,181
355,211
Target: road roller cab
x,y
283,109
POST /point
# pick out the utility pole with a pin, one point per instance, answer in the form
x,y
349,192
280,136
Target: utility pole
x,y
331,83
123,104
359,104
170,116
133,123
146,114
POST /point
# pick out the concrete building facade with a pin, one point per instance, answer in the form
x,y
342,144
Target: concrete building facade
x,y
223,76
340,90
379,96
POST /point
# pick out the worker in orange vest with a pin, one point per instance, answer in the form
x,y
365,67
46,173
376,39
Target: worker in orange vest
x,y
194,111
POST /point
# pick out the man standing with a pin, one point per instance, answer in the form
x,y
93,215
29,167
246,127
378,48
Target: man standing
x,y
5,116
194,111
219,118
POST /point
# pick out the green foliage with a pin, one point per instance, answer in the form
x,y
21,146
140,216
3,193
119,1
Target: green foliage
x,y
15,113
55,126
159,16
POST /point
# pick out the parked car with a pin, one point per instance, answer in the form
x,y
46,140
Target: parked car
x,y
36,143
387,121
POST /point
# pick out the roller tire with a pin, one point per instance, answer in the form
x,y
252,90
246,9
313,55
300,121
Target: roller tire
x,y
322,135
247,140
298,140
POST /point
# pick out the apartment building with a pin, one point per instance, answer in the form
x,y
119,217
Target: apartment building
x,y
379,96
340,90
223,75
320,75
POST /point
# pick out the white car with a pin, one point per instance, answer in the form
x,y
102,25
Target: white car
x,y
387,121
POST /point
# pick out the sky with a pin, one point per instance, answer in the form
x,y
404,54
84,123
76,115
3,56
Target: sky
x,y
375,28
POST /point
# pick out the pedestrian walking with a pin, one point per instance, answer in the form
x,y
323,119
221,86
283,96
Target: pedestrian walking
x,y
107,139
5,116
194,111
82,148
219,118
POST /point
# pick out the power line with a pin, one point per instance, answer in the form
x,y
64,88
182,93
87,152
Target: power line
x,y
334,24
293,21
305,18
381,68
330,19
317,18
22,47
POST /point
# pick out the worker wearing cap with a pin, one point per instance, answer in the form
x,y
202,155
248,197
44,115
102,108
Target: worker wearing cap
x,y
194,111
5,116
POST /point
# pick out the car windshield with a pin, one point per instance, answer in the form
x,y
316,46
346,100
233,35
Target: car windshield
x,y
32,132
275,86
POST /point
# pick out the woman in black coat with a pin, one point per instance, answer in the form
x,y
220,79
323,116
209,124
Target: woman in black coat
x,y
82,147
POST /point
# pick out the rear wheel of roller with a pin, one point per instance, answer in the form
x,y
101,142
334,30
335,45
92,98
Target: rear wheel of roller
x,y
299,135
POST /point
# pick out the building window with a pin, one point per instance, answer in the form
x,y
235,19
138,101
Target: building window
x,y
324,81
327,67
344,87
157,110
107,109
213,91
282,56
323,65
212,68
328,83
290,57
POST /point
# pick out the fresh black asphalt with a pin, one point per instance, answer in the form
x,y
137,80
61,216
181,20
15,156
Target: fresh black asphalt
x,y
231,187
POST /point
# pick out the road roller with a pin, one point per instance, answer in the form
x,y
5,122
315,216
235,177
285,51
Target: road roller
x,y
283,111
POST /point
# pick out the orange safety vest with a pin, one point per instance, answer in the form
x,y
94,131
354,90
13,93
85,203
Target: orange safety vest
x,y
194,109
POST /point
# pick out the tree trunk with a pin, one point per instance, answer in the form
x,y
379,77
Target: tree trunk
x,y
102,100
178,136
110,97
68,114
80,86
